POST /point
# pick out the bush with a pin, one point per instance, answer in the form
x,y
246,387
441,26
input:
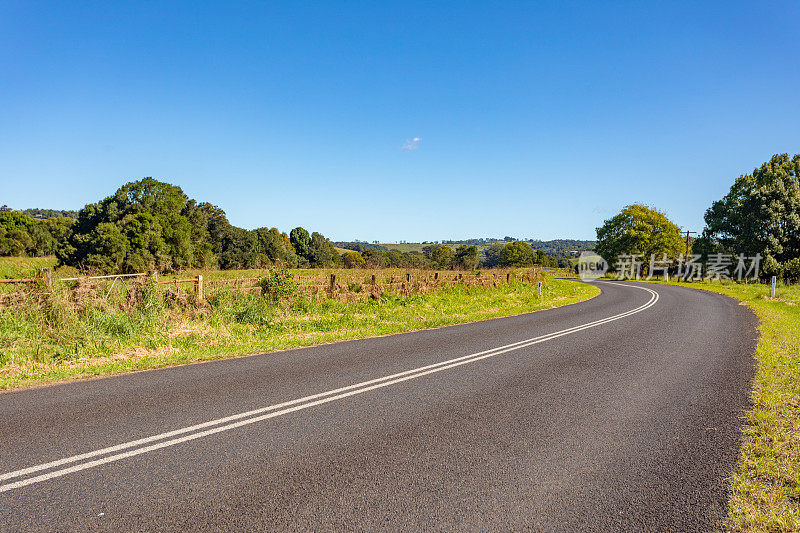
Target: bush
x,y
791,270
771,267
278,285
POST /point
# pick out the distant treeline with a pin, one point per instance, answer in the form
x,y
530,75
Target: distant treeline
x,y
464,256
22,235
563,247
49,213
558,248
152,225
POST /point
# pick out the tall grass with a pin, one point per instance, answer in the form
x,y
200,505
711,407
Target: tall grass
x,y
76,330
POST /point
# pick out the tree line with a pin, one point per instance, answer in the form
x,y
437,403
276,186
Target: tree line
x,y
462,257
556,248
152,225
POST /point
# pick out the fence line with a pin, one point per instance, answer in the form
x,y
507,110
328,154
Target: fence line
x,y
341,283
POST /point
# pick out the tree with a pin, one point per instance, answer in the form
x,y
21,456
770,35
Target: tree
x,y
301,241
429,249
155,225
107,248
15,238
275,246
759,215
545,260
466,257
352,259
374,258
321,251
492,255
443,257
638,229
517,254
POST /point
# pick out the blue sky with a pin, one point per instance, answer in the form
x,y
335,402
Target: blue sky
x,y
533,119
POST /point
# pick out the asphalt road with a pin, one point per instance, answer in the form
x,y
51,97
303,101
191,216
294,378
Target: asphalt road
x,y
630,423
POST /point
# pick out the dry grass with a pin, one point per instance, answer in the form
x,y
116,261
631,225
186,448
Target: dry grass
x,y
85,329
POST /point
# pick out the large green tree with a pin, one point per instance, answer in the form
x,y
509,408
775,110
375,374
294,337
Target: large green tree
x,y
492,255
517,254
301,241
467,257
443,256
759,215
638,229
322,252
144,224
275,246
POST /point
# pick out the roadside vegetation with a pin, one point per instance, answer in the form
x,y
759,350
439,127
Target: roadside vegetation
x,y
765,489
80,329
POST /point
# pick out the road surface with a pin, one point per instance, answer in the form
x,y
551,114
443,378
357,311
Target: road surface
x,y
620,413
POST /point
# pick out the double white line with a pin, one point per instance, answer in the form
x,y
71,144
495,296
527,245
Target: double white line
x,y
171,438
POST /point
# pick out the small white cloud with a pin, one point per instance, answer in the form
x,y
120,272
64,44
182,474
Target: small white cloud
x,y
411,144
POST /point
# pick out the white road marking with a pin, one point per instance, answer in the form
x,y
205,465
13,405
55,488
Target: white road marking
x,y
272,411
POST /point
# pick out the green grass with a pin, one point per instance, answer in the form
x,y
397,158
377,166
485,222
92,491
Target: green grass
x,y
765,490
79,332
24,267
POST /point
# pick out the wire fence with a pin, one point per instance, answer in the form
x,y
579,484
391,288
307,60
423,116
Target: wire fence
x,y
340,284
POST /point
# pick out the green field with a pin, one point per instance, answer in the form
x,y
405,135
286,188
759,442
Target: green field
x,y
24,267
765,490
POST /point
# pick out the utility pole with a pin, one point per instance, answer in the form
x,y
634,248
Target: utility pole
x,y
687,242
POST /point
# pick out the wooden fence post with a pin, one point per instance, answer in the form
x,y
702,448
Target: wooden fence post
x,y
508,277
47,275
373,279
408,277
199,279
333,281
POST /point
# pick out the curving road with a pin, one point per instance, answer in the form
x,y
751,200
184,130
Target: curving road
x,y
620,413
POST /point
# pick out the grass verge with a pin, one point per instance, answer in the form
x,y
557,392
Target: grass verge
x,y
52,336
765,490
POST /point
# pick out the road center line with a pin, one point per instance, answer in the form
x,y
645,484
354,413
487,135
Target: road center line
x,y
265,413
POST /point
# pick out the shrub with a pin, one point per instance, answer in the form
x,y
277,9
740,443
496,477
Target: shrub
x,y
791,270
278,285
